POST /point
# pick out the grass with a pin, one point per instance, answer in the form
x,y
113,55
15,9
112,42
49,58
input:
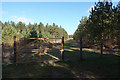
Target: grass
x,y
92,66
32,71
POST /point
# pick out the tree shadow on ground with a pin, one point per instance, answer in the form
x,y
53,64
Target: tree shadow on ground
x,y
93,66
35,70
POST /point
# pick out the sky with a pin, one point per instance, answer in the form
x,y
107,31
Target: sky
x,y
66,14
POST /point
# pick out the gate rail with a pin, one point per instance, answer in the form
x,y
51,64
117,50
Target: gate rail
x,y
16,49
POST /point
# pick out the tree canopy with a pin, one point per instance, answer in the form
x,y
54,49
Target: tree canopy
x,y
103,22
10,29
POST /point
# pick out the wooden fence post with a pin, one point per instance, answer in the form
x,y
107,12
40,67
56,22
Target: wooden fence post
x,y
15,50
101,50
62,52
2,52
40,49
81,48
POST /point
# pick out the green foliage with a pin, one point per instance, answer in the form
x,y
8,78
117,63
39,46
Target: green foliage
x,y
47,35
82,30
40,30
8,32
31,31
100,19
103,19
20,27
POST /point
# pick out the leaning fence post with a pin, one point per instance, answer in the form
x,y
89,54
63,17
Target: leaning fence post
x,y
62,52
15,51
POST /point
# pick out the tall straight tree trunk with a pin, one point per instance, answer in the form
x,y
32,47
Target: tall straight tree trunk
x,y
81,56
101,50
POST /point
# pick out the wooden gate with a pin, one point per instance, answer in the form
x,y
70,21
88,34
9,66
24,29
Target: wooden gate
x,y
38,49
